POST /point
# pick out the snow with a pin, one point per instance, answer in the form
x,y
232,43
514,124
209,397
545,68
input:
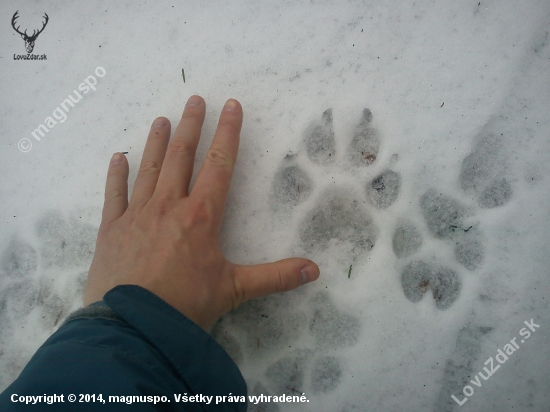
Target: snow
x,y
444,82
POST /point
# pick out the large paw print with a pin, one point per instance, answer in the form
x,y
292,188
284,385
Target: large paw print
x,y
301,341
341,215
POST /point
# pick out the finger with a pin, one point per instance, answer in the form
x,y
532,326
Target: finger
x,y
215,175
116,189
281,276
178,164
151,162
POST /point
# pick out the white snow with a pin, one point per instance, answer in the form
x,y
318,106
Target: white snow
x,y
438,77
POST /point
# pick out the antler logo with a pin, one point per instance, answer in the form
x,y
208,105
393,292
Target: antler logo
x,y
29,40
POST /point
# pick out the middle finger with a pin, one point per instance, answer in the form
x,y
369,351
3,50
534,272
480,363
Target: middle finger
x,y
177,168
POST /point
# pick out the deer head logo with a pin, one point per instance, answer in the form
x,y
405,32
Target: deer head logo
x,y
29,40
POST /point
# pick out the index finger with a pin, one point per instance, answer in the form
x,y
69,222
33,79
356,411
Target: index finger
x,y
214,178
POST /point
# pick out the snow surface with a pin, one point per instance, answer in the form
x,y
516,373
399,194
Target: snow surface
x,y
448,172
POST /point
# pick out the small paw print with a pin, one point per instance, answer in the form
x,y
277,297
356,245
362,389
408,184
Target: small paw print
x,y
445,219
448,221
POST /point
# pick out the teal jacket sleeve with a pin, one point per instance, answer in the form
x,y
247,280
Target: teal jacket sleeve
x,y
129,348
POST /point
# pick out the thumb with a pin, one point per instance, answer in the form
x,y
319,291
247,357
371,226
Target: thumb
x,y
260,280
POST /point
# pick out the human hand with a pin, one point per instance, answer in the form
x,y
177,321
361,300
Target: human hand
x,y
167,239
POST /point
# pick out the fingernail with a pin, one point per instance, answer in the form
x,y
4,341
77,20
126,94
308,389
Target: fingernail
x,y
194,101
308,273
230,105
159,122
116,159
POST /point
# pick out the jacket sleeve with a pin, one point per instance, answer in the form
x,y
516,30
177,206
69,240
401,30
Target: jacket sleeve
x,y
132,344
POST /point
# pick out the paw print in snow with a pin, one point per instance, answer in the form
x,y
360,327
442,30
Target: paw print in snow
x,y
445,220
40,285
482,175
341,214
273,328
330,215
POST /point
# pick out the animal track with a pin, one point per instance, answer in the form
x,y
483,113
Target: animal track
x,y
406,239
418,275
341,217
384,189
268,326
445,217
365,144
33,294
292,185
445,220
320,142
483,169
327,374
443,214
300,335
330,327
